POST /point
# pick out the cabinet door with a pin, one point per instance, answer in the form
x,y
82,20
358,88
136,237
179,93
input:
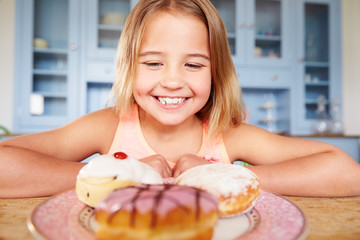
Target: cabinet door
x,y
319,60
267,32
106,19
46,63
258,30
233,14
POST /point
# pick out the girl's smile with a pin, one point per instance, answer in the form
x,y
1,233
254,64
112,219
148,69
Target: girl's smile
x,y
173,75
171,102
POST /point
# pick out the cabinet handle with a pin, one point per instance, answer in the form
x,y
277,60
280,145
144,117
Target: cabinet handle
x,y
241,25
251,26
275,77
301,59
73,47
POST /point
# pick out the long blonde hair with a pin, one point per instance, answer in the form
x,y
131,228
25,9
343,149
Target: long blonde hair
x,y
224,107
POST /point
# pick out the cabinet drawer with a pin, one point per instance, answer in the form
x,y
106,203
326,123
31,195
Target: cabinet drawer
x,y
265,78
100,71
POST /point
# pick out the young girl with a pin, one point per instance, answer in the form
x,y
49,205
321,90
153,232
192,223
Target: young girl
x,y
177,105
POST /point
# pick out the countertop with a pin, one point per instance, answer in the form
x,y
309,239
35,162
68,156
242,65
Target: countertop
x,y
328,218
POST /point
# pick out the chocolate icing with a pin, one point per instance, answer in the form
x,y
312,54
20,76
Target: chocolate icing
x,y
162,195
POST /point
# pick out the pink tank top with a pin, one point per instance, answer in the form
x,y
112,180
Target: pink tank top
x,y
129,139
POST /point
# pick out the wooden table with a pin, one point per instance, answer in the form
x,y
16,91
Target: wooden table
x,y
329,218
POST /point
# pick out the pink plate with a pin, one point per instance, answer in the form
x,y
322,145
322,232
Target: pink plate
x,y
273,217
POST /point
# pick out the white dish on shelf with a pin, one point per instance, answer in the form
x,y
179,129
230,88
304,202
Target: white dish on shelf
x,y
40,43
268,105
113,18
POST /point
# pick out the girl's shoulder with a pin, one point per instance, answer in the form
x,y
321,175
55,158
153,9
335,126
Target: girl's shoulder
x,y
241,141
243,132
102,119
103,114
97,129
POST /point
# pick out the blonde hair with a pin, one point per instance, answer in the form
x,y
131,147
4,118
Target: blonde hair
x,y
224,107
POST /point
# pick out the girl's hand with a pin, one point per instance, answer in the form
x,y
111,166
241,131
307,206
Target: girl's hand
x,y
186,162
159,163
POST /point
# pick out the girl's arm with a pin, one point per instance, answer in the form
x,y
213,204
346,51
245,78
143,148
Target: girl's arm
x,y
43,164
293,166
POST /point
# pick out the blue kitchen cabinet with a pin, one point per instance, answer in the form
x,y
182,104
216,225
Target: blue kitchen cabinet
x,y
269,42
47,64
318,65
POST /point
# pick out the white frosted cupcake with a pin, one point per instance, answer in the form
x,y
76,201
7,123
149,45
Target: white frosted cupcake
x,y
105,173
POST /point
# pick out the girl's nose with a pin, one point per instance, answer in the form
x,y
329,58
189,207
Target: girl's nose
x,y
173,79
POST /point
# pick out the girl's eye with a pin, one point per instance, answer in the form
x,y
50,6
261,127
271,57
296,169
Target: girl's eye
x,y
153,64
193,66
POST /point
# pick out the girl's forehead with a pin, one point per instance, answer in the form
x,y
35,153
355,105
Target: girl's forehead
x,y
180,21
168,29
173,13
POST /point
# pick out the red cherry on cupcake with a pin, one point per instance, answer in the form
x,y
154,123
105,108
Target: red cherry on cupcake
x,y
120,155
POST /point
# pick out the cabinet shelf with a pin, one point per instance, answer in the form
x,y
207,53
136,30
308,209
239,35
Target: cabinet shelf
x,y
317,64
231,35
314,102
51,72
108,27
322,83
57,51
51,94
268,37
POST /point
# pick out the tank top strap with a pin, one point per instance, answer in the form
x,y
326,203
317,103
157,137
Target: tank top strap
x,y
213,147
129,138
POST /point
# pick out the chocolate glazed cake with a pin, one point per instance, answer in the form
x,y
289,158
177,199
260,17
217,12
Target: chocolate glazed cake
x,y
157,212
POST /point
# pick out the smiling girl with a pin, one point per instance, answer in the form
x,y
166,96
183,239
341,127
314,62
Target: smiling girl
x,y
177,104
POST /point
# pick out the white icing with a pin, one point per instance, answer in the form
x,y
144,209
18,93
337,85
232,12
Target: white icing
x,y
123,169
220,179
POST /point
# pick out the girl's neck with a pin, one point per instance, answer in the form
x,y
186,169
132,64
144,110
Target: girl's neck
x,y
172,142
151,126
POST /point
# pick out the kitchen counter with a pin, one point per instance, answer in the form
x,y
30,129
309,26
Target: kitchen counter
x,y
328,218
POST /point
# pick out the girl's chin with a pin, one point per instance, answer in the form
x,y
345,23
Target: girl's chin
x,y
167,117
170,122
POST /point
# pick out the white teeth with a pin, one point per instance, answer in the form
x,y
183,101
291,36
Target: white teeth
x,y
170,101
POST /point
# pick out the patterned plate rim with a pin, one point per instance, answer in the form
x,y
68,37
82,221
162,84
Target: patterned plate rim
x,y
303,232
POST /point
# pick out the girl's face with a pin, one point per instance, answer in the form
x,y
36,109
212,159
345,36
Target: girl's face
x,y
173,75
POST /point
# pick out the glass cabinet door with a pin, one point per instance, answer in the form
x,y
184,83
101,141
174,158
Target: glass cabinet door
x,y
47,58
316,57
232,17
50,58
319,65
107,21
267,32
256,30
